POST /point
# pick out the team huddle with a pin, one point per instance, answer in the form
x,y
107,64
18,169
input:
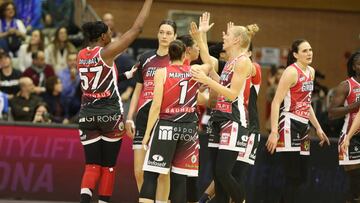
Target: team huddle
x,y
181,90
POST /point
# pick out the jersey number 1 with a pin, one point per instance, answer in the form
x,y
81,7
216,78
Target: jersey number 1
x,y
184,87
85,80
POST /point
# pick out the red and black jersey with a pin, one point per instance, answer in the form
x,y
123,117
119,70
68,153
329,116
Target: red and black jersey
x,y
236,110
298,99
98,84
254,126
352,97
180,95
149,63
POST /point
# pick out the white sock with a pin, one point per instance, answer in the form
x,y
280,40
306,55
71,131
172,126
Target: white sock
x,y
86,191
159,201
100,201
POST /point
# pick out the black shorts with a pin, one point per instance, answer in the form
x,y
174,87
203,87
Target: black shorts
x,y
352,156
106,127
213,129
140,127
293,134
228,135
174,145
249,155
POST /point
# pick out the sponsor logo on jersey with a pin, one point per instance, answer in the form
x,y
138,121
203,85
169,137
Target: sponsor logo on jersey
x,y
82,135
185,109
225,139
121,126
244,138
357,97
356,90
307,86
158,157
103,118
302,78
165,132
155,163
150,72
177,133
306,145
224,76
193,159
253,154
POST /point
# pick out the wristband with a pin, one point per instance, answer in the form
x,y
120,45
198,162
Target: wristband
x,y
131,122
128,74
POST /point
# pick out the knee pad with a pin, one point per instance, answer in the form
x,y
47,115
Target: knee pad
x,y
91,176
107,180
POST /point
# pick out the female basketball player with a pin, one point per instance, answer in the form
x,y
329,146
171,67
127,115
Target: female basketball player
x,y
346,103
141,100
289,134
229,117
100,120
174,141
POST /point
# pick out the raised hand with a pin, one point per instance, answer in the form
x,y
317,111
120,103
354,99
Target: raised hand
x,y
194,32
204,22
199,75
230,25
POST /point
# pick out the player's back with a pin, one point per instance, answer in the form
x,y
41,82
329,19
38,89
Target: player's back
x,y
100,93
180,95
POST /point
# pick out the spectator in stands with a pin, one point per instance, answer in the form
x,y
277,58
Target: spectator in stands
x,y
61,12
23,104
108,19
29,12
39,71
42,114
9,77
56,53
36,44
49,29
70,80
53,100
12,30
4,106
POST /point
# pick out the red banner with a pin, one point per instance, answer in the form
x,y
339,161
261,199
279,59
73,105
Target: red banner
x,y
46,163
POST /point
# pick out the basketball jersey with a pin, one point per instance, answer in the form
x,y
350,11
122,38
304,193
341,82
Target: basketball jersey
x,y
298,99
236,110
352,97
98,84
254,126
180,95
149,63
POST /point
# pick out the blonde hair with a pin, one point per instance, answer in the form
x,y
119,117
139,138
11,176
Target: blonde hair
x,y
246,33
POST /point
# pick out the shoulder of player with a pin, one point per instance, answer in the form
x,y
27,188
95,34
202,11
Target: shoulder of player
x,y
243,62
344,86
147,54
290,74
